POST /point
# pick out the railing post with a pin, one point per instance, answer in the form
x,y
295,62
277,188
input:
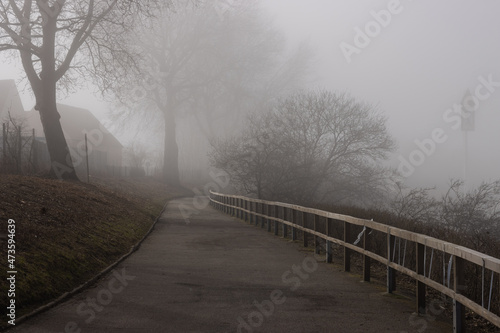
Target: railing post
x,y
239,203
286,217
316,238
366,259
240,206
237,209
258,210
305,234
420,285
269,212
276,224
297,220
328,243
391,273
250,208
347,251
266,213
458,286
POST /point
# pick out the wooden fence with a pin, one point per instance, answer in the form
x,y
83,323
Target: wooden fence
x,y
417,263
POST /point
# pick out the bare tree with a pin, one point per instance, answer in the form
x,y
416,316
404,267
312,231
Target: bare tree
x,y
136,156
17,142
59,41
416,205
475,214
210,66
311,145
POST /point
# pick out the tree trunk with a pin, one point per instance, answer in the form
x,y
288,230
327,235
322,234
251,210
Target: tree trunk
x,y
44,88
60,157
171,151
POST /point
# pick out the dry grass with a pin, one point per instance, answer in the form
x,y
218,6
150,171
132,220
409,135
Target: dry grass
x,y
68,232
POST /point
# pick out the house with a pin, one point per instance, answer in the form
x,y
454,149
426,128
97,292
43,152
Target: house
x,y
10,101
104,150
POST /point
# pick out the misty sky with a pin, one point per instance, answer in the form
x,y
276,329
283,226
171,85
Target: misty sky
x,y
414,69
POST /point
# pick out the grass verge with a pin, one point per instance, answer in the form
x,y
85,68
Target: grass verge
x,y
66,233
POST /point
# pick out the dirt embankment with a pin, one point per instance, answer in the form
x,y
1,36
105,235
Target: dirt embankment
x,y
65,233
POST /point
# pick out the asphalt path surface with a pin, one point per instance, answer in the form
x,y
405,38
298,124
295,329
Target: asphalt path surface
x,y
214,273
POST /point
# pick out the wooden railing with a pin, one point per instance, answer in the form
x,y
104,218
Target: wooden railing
x,y
331,228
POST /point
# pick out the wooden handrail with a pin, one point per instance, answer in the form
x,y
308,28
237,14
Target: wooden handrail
x,y
241,207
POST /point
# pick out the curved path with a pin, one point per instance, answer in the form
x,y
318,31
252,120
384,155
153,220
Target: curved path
x,y
214,273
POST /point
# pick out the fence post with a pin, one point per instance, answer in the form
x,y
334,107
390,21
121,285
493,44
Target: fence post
x,y
277,213
296,219
19,150
305,234
258,211
316,238
264,211
366,259
420,285
250,215
391,273
458,286
328,243
4,145
238,209
87,158
34,149
286,217
269,213
347,251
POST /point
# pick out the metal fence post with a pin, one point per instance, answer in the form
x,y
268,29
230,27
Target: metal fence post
x,y
366,259
391,272
268,213
420,285
458,286
265,210
316,238
347,251
328,243
296,220
277,210
286,217
305,234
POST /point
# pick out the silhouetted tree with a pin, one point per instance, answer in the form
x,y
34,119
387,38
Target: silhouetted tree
x,y
311,145
206,62
59,41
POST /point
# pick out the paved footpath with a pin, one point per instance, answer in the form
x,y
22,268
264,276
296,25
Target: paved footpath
x,y
219,274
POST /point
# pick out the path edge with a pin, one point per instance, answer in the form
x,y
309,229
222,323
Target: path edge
x,y
99,275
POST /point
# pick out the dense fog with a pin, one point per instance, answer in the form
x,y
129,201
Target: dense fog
x,y
413,61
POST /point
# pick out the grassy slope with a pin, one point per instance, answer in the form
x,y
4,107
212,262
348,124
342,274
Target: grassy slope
x,y
68,232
